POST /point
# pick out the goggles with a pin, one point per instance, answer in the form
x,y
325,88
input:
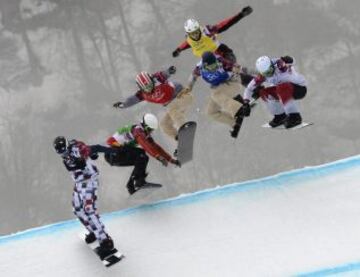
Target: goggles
x,y
195,34
148,87
211,67
269,72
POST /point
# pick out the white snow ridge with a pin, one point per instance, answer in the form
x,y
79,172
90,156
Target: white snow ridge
x,y
304,222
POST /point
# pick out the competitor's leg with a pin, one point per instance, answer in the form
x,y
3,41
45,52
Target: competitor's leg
x,y
214,111
224,95
274,106
89,195
167,125
285,92
138,175
77,203
132,156
178,108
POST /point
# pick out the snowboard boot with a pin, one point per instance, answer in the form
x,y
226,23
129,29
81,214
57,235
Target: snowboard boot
x,y
292,120
130,186
106,248
90,238
278,120
139,182
239,99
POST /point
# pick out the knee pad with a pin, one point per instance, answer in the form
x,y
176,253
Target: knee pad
x,y
299,92
89,207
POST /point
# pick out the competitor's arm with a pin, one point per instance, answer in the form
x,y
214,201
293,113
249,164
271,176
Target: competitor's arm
x,y
111,141
163,76
83,152
193,77
130,101
151,147
249,90
228,22
183,46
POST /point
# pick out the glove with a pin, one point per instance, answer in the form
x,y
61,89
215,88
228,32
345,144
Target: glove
x,y
246,11
94,156
246,108
119,105
176,53
163,161
176,163
172,70
237,69
287,59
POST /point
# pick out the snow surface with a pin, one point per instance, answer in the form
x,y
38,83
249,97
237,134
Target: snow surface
x,y
303,222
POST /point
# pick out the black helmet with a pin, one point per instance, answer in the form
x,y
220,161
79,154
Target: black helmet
x,y
208,58
60,144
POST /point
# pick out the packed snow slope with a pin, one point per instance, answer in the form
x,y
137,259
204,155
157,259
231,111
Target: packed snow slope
x,y
302,222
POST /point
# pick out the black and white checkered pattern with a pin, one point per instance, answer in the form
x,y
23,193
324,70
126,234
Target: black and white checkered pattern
x,y
84,206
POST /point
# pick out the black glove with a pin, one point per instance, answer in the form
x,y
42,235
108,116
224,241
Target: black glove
x,y
176,53
119,105
172,69
246,109
94,156
246,11
176,163
287,59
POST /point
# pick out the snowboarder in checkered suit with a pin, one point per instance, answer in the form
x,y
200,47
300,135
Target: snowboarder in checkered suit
x,y
77,157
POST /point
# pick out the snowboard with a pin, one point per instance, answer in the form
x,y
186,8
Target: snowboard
x,y
282,127
113,257
186,135
235,132
148,185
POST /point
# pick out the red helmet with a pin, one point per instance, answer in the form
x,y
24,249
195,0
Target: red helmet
x,y
145,81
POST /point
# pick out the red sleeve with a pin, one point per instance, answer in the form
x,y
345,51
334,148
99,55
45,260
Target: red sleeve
x,y
150,147
83,149
183,46
225,24
111,141
161,76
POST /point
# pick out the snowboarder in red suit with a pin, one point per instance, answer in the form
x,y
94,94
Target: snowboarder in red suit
x,y
156,88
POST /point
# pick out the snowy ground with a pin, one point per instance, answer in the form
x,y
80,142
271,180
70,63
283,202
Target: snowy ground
x,y
300,222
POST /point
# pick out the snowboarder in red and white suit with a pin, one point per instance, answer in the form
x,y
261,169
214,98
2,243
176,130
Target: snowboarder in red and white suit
x,y
76,158
287,85
156,88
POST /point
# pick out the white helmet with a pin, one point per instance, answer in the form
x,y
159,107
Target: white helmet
x,y
263,65
191,25
150,120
